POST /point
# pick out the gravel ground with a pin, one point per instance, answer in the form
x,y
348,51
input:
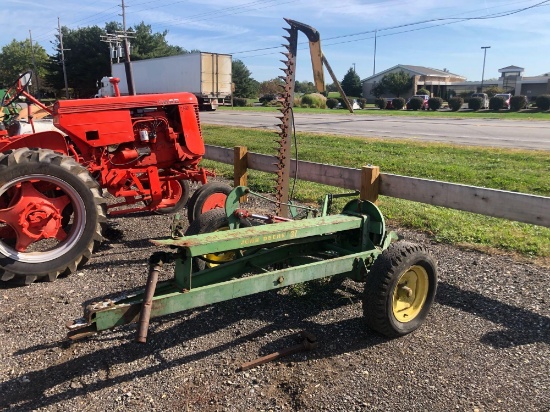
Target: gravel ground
x,y
484,346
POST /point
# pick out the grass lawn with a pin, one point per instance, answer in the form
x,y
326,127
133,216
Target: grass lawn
x,y
528,114
513,170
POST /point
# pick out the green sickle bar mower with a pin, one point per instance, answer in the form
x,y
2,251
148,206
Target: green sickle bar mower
x,y
230,252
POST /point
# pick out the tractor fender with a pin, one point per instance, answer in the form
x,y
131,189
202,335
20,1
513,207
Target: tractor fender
x,y
45,140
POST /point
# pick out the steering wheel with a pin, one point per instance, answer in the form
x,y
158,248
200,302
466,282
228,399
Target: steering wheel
x,y
17,89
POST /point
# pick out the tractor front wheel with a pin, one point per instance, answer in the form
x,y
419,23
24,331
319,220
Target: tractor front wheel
x,y
209,196
175,195
51,212
400,289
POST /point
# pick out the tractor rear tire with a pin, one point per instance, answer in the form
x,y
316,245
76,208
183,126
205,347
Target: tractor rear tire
x,y
400,289
42,191
209,196
213,220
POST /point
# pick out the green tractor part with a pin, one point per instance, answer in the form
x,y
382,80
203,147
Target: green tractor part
x,y
229,252
219,264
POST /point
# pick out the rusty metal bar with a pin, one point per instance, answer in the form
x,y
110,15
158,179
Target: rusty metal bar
x,y
309,342
145,313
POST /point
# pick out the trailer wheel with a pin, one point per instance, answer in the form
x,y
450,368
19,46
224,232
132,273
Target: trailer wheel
x,y
213,220
400,289
175,196
51,212
209,196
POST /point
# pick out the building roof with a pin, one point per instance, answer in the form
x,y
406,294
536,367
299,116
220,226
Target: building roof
x,y
420,70
511,69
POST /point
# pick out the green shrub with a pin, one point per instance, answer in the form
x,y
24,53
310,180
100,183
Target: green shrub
x,y
362,102
267,98
379,102
475,103
435,103
543,102
455,103
316,100
415,103
496,103
239,102
517,103
423,91
332,103
398,103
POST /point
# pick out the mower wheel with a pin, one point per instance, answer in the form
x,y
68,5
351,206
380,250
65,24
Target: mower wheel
x,y
176,197
51,215
400,289
213,220
212,195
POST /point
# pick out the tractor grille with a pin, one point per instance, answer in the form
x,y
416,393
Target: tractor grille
x,y
198,119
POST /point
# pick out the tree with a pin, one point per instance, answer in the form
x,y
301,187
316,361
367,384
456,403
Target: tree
x,y
272,87
148,45
305,87
86,60
378,90
245,85
16,58
397,83
331,88
492,90
145,44
351,84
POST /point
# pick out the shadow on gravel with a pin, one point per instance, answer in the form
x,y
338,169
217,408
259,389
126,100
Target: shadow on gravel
x,y
522,326
282,312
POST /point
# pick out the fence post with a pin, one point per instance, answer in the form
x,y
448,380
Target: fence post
x,y
240,168
370,182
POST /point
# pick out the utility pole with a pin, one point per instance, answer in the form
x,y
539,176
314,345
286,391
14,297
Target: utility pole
x,y
63,58
127,64
374,64
483,72
114,48
34,67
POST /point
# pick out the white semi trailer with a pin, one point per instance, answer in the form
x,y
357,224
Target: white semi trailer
x,y
206,75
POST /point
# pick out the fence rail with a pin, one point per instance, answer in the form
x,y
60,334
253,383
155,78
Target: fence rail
x,y
519,207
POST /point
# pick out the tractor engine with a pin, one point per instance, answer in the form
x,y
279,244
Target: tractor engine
x,y
140,148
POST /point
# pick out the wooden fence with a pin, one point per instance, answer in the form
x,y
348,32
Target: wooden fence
x,y
489,202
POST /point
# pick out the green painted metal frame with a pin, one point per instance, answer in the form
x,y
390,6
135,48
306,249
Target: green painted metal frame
x,y
345,244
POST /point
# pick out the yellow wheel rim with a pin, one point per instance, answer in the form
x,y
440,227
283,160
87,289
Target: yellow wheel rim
x,y
410,294
214,259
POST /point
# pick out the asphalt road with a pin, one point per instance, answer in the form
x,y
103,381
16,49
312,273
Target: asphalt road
x,y
533,135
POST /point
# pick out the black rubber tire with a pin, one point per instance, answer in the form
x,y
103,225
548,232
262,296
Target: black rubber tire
x,y
199,199
86,208
208,222
382,281
181,203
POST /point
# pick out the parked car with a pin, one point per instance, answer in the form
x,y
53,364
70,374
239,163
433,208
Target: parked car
x,y
425,99
506,97
484,99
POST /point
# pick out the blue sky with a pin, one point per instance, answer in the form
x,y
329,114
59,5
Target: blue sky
x,y
251,30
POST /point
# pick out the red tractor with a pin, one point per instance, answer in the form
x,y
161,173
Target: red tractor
x,y
144,150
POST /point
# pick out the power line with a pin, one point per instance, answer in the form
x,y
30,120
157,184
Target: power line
x,y
455,20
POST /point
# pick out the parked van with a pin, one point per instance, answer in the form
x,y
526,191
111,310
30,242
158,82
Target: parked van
x,y
484,99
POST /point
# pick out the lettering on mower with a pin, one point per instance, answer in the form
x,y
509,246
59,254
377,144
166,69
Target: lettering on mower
x,y
269,238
